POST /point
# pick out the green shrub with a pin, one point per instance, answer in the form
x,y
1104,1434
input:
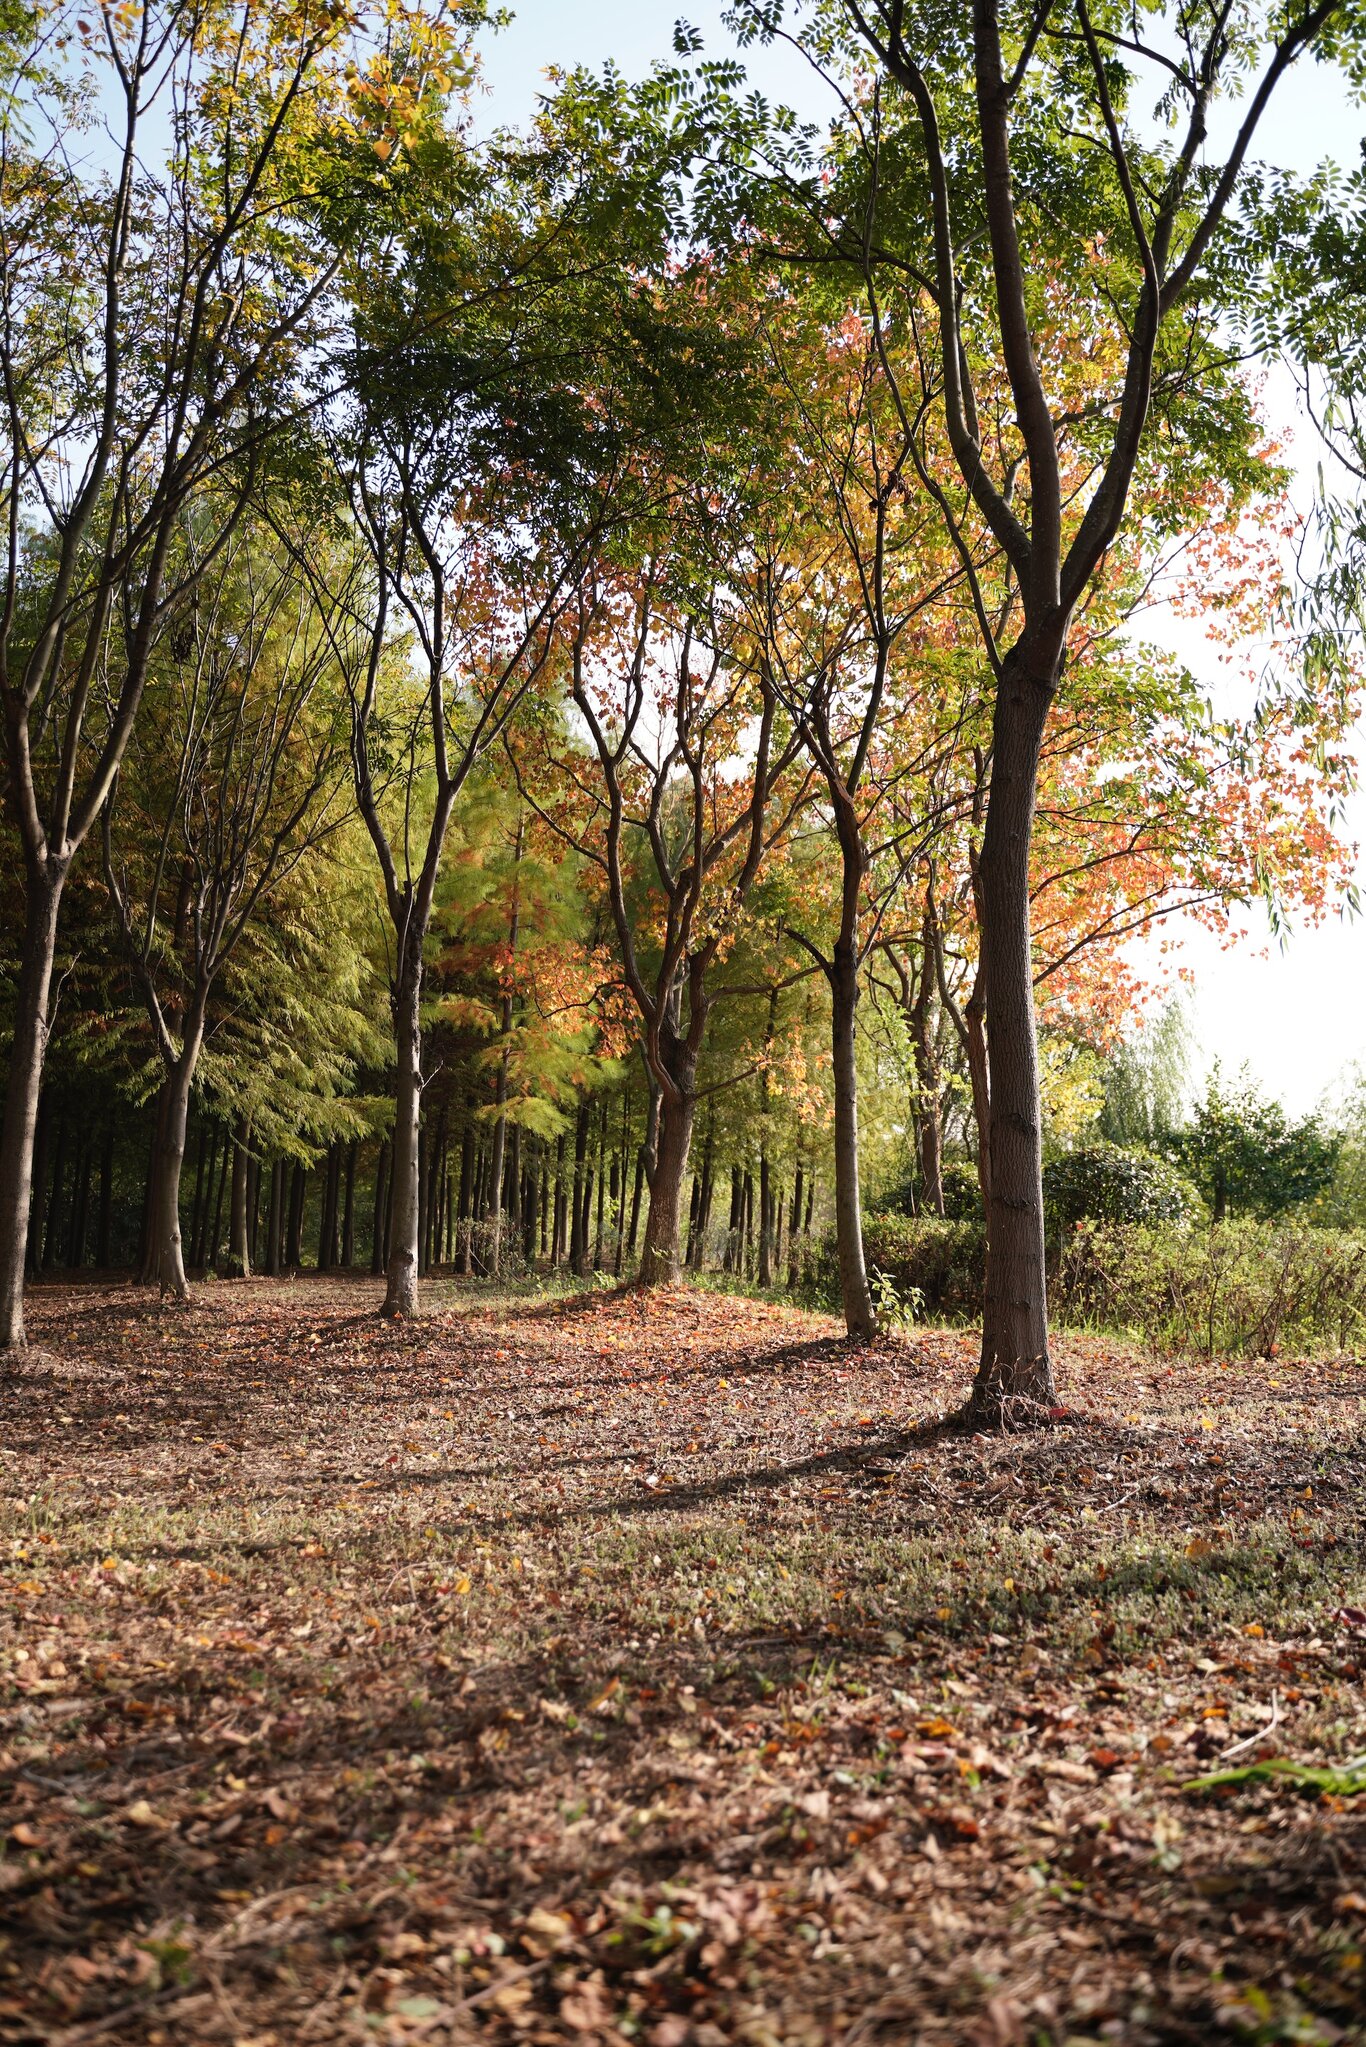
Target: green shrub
x,y
942,1262
1107,1183
1236,1289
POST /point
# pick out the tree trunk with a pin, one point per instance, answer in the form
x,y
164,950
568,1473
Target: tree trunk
x,y
298,1192
1015,1365
275,1218
348,1228
104,1227
855,1297
22,1086
400,1293
794,1231
660,1260
578,1222
53,1221
239,1235
197,1199
166,1260
215,1236
380,1205
80,1206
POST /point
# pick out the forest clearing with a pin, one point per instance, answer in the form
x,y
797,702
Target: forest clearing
x,y
587,1668
683,1157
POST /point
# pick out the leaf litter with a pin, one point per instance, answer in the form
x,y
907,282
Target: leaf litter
x,y
608,1669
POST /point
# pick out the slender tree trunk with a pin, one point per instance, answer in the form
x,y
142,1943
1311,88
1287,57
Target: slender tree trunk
x,y
53,1222
239,1234
348,1228
578,1222
794,1231
298,1194
327,1220
466,1188
380,1207
557,1227
275,1218
197,1198
37,1208
80,1205
400,1294
215,1236
855,1296
602,1186
253,1238
424,1198
166,1260
104,1228
660,1260
1015,1365
22,1086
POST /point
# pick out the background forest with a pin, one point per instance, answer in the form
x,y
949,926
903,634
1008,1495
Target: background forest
x,y
504,681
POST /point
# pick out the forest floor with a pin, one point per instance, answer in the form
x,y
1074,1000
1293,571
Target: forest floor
x,y
589,1670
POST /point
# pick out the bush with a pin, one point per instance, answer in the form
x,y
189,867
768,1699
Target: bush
x,y
938,1260
1106,1183
1235,1289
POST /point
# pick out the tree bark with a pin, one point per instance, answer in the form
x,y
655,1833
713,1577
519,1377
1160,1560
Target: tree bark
x,y
348,1228
165,1266
660,1259
21,1102
239,1235
1015,1369
400,1293
106,1217
855,1295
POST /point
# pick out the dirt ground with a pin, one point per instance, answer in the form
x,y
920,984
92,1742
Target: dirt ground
x,y
594,1670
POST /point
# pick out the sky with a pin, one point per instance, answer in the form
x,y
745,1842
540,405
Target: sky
x,y
1295,1012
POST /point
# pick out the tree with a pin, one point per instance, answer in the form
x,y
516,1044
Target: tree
x,y
1021,161
231,783
1247,1156
680,812
152,301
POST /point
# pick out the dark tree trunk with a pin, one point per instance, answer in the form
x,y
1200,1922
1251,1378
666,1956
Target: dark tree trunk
x,y
53,1220
23,1084
381,1202
559,1217
794,1232
602,1184
661,1258
239,1230
197,1198
253,1213
80,1205
275,1218
578,1228
298,1194
855,1296
165,1265
37,1211
348,1228
400,1293
327,1219
215,1237
466,1187
1015,1366
104,1230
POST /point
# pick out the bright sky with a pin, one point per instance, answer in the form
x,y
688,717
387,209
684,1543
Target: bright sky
x,y
1296,1015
